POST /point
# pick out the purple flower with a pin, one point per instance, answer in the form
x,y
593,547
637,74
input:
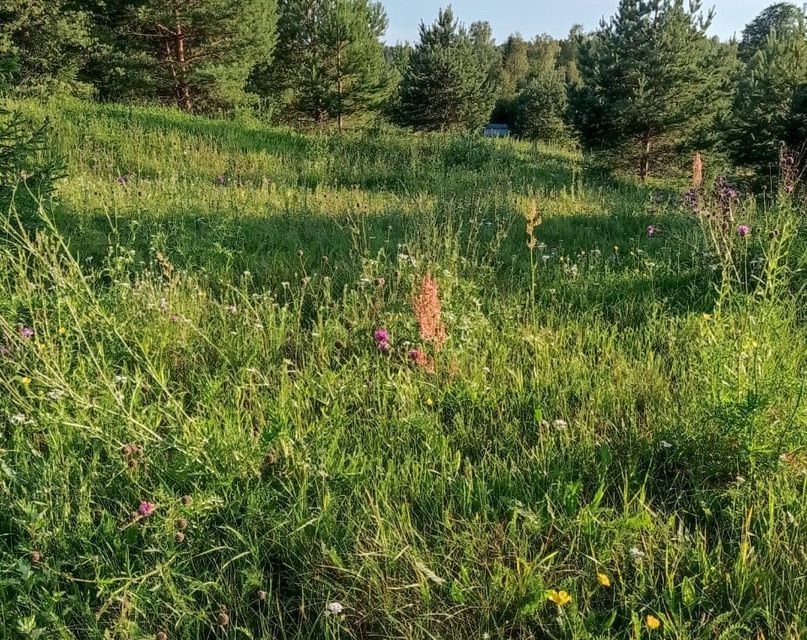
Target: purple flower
x,y
743,230
146,508
652,231
381,335
26,333
384,347
175,318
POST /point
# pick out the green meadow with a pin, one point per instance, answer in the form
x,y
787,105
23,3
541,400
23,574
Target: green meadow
x,y
263,384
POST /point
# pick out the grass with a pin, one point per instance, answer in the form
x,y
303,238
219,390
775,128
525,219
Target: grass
x,y
605,403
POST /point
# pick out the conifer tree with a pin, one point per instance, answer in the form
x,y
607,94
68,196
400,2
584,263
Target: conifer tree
x,y
195,53
330,61
780,19
653,84
444,84
45,43
768,103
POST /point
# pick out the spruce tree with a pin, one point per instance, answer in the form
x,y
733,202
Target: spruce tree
x,y
444,86
653,85
539,109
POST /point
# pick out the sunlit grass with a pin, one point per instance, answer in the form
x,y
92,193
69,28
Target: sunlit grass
x,y
608,444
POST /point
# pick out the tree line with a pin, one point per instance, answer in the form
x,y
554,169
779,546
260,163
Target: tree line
x,y
645,90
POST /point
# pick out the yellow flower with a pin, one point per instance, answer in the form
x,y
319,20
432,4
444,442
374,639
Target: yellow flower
x,y
560,598
616,248
26,381
429,402
604,580
62,331
707,316
652,622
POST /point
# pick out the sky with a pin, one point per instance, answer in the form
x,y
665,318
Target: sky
x,y
554,17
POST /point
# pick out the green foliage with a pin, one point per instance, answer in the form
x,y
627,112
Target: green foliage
x,y
768,108
28,167
197,54
443,87
49,41
780,19
652,85
540,109
329,63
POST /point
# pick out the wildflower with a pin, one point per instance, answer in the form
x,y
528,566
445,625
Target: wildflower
x,y
179,537
560,424
25,381
146,508
666,445
429,402
56,395
161,635
743,230
604,580
186,500
221,180
174,318
652,622
652,231
163,304
26,333
62,331
123,180
789,188
636,553
428,311
560,598
381,335
19,419
333,609
223,619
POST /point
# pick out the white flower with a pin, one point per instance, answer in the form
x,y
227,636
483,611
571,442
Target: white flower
x,y
56,394
560,424
666,445
333,608
121,379
18,419
635,553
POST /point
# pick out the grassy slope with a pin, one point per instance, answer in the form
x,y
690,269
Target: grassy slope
x,y
227,331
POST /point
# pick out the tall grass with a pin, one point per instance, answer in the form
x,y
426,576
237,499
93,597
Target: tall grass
x,y
203,437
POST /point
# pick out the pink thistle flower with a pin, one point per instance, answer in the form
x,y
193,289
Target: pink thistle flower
x,y
26,333
743,230
381,335
384,347
146,508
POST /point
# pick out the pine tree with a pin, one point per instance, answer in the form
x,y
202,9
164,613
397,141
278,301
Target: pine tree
x,y
653,84
196,53
45,42
768,102
330,60
444,85
781,19
540,108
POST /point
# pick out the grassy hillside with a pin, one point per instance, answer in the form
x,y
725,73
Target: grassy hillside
x,y
256,384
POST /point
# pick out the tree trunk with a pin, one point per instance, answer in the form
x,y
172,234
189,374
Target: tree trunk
x,y
644,160
183,88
